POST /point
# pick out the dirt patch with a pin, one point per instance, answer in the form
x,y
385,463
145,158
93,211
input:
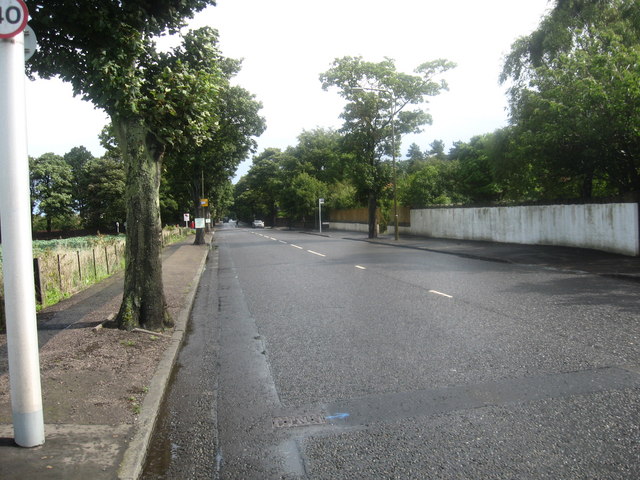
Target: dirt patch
x,y
91,377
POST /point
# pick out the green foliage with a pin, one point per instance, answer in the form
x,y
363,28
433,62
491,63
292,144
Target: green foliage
x,y
157,102
342,195
475,173
104,63
257,193
299,197
102,183
378,112
78,157
203,170
51,187
432,184
41,247
319,153
575,99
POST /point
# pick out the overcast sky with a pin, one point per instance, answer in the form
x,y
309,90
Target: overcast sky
x,y
286,44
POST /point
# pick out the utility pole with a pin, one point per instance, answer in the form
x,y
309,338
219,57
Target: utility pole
x,y
15,215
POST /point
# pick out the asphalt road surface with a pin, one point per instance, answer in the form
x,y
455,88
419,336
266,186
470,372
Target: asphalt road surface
x,y
328,358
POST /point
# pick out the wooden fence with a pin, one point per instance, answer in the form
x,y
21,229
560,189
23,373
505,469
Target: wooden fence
x,y
361,216
63,273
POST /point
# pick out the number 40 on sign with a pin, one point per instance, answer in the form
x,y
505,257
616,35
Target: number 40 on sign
x,y
13,17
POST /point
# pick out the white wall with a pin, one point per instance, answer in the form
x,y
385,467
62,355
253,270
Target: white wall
x,y
610,227
348,226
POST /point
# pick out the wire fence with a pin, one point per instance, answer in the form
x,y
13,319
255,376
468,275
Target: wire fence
x,y
64,268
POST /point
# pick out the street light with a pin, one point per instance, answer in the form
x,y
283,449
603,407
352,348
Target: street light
x,y
393,150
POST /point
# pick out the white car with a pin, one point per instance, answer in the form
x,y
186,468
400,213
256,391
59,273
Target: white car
x,y
257,224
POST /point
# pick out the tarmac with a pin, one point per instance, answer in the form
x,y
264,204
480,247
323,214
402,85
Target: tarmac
x,y
98,452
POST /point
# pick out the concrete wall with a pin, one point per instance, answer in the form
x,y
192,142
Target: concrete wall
x,y
349,226
610,227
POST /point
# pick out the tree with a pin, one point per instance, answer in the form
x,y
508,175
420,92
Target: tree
x,y
475,171
431,184
204,170
156,102
102,183
51,187
437,150
415,158
557,32
375,116
78,157
299,197
258,192
319,152
575,100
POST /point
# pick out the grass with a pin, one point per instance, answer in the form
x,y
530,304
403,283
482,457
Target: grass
x,y
51,248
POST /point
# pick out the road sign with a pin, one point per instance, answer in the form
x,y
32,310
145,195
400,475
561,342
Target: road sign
x,y
14,16
30,43
204,202
186,217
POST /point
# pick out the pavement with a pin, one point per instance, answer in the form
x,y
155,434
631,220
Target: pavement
x,y
118,452
569,259
80,452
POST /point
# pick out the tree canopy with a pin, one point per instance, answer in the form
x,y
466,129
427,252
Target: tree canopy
x,y
575,99
156,101
378,112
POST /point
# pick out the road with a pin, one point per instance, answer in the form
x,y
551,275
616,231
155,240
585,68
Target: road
x,y
328,358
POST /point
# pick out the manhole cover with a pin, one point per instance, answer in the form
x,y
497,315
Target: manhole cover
x,y
298,421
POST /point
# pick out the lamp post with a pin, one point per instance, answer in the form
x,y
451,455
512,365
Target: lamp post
x,y
395,174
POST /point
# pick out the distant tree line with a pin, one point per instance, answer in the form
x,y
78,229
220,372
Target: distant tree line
x,y
77,191
574,97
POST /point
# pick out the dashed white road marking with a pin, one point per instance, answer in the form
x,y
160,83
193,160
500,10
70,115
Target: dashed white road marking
x,y
316,253
296,246
361,267
435,292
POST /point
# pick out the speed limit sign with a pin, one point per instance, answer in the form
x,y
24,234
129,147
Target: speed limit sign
x,y
13,17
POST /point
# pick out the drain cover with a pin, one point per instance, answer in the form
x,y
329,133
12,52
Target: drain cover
x,y
298,421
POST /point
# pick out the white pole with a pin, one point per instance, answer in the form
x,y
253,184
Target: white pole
x,y
320,213
15,214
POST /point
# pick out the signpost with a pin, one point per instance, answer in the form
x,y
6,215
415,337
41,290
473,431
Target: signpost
x,y
13,17
15,206
320,203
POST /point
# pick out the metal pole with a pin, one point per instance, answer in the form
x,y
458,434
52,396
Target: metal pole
x,y
15,212
320,213
395,176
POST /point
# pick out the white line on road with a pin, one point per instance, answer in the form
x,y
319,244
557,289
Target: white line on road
x,y
361,267
296,246
440,293
316,253
282,241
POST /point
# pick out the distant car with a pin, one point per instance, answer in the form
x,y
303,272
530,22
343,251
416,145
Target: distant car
x,y
257,224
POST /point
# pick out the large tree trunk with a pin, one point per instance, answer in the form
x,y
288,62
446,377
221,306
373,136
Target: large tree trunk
x,y
373,207
143,303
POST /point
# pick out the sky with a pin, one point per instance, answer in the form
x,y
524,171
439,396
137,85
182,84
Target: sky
x,y
286,44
